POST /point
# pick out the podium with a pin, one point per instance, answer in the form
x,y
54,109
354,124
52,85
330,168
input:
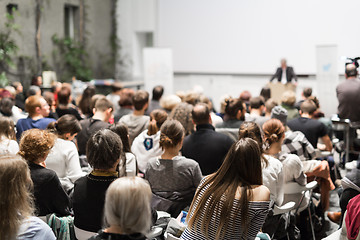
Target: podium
x,y
277,89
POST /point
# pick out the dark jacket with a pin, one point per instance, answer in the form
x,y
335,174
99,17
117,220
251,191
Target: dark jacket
x,y
112,236
290,74
207,147
49,195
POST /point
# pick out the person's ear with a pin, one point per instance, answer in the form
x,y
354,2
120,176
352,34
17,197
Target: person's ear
x,y
67,136
94,110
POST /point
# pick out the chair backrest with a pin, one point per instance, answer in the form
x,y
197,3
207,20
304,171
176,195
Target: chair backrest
x,y
82,234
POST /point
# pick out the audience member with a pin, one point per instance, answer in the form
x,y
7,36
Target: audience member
x,y
50,99
173,178
8,142
154,104
125,103
137,121
50,197
8,109
234,114
102,114
215,119
182,113
64,104
257,108
63,157
36,80
169,102
287,101
146,146
115,94
32,91
38,110
305,94
128,165
85,101
103,152
206,146
133,219
231,203
265,93
311,128
245,98
16,208
19,97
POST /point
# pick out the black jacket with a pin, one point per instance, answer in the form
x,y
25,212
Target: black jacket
x,y
290,74
207,147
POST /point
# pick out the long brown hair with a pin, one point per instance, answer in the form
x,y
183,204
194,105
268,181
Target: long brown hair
x,y
157,118
7,128
16,201
240,169
273,131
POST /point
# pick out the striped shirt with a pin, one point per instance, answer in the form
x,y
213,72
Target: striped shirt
x,y
256,217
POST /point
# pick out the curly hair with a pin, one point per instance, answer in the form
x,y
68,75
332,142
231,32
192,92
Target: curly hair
x,y
35,144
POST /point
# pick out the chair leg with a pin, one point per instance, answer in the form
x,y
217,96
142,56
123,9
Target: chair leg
x,y
311,223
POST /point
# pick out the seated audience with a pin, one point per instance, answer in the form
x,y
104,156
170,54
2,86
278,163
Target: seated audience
x,y
8,108
206,146
311,128
115,94
64,157
136,121
234,114
128,165
182,113
146,146
265,93
125,104
231,203
50,197
133,219
85,101
102,113
19,97
103,152
38,110
173,178
287,101
17,220
169,102
305,94
8,142
245,98
32,91
215,119
64,104
257,108
154,104
50,99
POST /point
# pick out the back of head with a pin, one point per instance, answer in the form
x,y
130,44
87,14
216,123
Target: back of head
x,y
15,197
172,133
140,98
157,118
65,124
307,92
85,101
169,102
94,100
7,128
102,104
256,102
49,98
350,70
33,90
182,113
192,98
233,106
126,96
103,149
265,93
201,114
279,113
270,104
6,105
157,92
122,131
116,86
127,205
251,130
288,98
245,96
308,106
64,95
35,144
273,131
31,103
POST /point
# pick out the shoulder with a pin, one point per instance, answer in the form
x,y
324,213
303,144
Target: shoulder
x,y
261,193
35,228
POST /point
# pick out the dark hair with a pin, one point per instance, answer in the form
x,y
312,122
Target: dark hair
x,y
157,92
200,114
245,96
7,128
49,98
122,131
233,106
116,86
308,106
172,132
140,98
273,131
252,130
85,101
65,124
103,149
6,105
265,93
241,168
64,95
256,102
126,96
307,92
157,118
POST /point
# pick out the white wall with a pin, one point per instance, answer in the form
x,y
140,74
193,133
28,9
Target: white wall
x,y
251,36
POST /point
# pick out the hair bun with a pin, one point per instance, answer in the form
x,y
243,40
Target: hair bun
x,y
165,140
273,138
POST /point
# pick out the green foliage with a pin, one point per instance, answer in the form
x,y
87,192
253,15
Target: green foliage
x,y
73,58
4,81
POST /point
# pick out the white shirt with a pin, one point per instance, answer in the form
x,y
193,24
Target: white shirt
x,y
8,146
273,179
283,77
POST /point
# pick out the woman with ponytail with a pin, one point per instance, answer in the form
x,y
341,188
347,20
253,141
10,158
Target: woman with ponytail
x,y
231,203
63,157
173,178
146,146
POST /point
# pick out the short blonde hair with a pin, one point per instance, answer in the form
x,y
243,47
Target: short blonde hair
x,y
32,103
127,205
288,98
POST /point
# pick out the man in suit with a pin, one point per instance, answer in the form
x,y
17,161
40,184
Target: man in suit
x,y
284,74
